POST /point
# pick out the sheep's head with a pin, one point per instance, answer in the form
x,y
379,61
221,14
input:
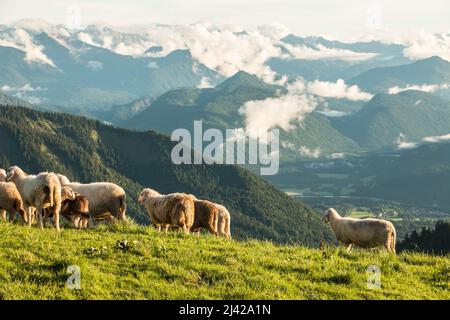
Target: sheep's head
x,y
329,214
63,179
14,173
147,193
67,194
2,175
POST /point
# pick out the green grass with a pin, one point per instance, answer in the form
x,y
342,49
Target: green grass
x,y
127,261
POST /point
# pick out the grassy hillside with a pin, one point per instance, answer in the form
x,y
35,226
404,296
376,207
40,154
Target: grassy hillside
x,y
130,262
88,150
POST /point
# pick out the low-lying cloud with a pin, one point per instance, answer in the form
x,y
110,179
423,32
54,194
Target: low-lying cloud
x,y
310,153
21,40
423,87
320,52
423,45
262,115
338,90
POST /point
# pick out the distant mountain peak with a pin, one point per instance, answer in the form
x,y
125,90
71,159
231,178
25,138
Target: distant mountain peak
x,y
241,78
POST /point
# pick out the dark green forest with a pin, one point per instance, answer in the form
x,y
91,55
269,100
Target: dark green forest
x,y
434,241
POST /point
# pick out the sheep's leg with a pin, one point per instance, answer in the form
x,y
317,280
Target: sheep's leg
x,y
12,215
56,217
348,247
212,230
30,216
40,217
3,215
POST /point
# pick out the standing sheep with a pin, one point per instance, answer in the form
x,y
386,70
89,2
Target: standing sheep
x,y
364,233
224,222
106,200
176,209
10,201
39,191
206,216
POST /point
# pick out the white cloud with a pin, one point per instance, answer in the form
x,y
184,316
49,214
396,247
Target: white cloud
x,y
403,144
338,90
423,45
423,87
27,92
324,53
20,39
309,153
262,115
434,139
333,113
337,155
274,31
95,65
205,83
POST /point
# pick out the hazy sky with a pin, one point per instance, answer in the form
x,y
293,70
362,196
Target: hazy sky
x,y
329,17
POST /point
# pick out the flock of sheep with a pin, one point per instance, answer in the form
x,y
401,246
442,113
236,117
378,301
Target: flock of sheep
x,y
49,195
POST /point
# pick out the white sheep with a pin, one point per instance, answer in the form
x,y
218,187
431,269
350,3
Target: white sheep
x,y
10,201
175,209
223,219
107,201
38,191
224,222
364,233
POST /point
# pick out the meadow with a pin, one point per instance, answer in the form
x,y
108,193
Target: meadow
x,y
128,261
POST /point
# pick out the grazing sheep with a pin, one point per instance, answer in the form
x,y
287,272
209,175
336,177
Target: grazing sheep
x,y
10,201
364,233
38,191
74,207
206,216
176,209
107,201
223,222
223,219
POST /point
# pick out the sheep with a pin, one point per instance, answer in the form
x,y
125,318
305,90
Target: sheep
x,y
176,209
11,202
38,191
74,208
2,179
364,233
223,219
206,216
224,222
107,201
